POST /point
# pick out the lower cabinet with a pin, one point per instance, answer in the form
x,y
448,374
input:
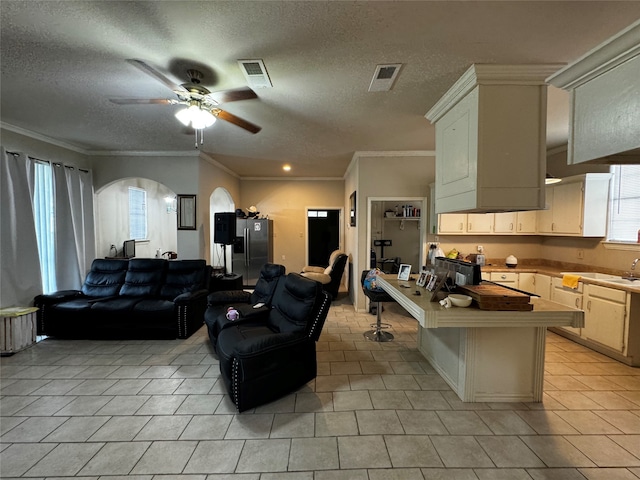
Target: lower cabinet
x,y
569,297
507,279
536,283
605,316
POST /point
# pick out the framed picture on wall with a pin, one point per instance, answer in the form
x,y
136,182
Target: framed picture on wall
x,y
352,209
186,212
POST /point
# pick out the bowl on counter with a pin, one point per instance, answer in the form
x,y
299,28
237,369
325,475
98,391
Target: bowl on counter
x,y
460,300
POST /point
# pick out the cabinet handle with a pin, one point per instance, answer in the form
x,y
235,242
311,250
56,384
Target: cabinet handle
x,y
519,227
577,302
553,226
589,305
503,277
461,226
511,227
469,227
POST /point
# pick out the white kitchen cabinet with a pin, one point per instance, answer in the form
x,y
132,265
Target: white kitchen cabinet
x,y
508,279
480,223
505,222
526,222
452,223
527,281
605,316
605,101
500,166
577,206
543,286
569,297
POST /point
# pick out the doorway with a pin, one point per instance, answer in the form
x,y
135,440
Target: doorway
x,y
323,235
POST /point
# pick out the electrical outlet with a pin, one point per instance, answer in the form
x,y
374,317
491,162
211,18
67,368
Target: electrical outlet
x,y
580,254
283,257
480,248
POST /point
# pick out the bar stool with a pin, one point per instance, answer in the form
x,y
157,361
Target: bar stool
x,y
377,334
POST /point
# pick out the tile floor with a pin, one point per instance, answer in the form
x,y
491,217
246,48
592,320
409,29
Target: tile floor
x,y
157,410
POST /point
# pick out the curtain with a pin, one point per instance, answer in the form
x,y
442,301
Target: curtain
x,y
20,278
80,186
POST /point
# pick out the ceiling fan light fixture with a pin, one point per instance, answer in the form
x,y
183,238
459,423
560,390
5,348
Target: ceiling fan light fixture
x,y
195,116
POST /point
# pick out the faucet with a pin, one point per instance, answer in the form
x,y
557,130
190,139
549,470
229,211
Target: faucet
x,y
630,275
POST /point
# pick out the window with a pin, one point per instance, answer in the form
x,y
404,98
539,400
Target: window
x,y
624,217
137,213
44,214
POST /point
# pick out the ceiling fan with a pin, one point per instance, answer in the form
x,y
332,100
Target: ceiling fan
x,y
202,106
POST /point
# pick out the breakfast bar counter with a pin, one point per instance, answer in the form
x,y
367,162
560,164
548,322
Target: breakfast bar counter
x,y
485,356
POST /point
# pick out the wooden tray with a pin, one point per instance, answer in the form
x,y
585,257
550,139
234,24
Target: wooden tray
x,y
489,296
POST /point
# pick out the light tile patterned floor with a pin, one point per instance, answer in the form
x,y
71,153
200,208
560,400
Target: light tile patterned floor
x,y
155,409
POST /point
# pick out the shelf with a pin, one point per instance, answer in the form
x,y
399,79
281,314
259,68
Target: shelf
x,y
402,218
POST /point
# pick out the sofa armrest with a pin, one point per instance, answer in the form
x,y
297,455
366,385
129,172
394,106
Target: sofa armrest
x,y
267,345
188,297
56,297
323,278
228,297
312,269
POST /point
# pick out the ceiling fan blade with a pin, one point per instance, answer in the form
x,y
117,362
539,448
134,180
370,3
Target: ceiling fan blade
x,y
140,101
231,118
224,96
155,74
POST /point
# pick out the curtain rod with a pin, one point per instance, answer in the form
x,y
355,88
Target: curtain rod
x,y
57,164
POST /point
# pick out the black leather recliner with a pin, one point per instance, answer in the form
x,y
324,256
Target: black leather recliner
x,y
274,353
241,300
331,276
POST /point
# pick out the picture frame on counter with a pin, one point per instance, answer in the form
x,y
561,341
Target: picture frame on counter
x,y
404,272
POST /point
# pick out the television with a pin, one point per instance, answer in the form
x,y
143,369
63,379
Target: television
x,y
129,248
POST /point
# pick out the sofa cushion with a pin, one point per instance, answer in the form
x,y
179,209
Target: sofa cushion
x,y
105,278
183,276
144,277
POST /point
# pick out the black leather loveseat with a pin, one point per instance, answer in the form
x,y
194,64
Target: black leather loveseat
x,y
139,298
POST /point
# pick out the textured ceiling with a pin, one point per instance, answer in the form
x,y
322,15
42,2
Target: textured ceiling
x,y
62,60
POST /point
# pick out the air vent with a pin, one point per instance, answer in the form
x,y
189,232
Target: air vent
x,y
384,76
255,73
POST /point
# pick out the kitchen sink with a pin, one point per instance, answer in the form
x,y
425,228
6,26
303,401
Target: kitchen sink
x,y
594,275
625,281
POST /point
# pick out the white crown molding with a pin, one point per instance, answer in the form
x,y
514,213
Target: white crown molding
x,y
209,159
42,138
609,54
294,179
395,153
141,153
484,74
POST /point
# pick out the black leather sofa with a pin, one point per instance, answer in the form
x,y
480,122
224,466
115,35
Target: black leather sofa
x,y
273,353
242,300
137,298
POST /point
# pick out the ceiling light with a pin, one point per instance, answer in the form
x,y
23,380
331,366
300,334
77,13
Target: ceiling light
x,y
199,118
286,167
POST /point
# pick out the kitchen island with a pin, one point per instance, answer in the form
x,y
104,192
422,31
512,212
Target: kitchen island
x,y
485,356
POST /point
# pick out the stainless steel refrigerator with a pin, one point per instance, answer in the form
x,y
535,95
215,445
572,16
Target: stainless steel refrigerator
x,y
252,248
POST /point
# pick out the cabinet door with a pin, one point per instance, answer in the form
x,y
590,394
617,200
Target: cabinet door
x,y
480,223
545,217
570,298
527,282
505,222
567,208
526,222
452,223
604,314
543,286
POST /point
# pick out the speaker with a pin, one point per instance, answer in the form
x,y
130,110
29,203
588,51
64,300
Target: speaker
x,y
225,228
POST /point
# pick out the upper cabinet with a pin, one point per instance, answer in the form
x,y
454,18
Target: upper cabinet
x,y
604,90
490,140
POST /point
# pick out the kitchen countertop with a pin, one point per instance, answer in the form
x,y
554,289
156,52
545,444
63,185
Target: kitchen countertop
x,y
556,271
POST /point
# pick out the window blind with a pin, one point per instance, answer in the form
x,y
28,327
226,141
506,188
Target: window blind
x,y
624,218
137,213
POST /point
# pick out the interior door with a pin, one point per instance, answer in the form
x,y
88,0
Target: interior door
x,y
323,235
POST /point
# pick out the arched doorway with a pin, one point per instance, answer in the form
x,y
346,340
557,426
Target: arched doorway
x,y
219,201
